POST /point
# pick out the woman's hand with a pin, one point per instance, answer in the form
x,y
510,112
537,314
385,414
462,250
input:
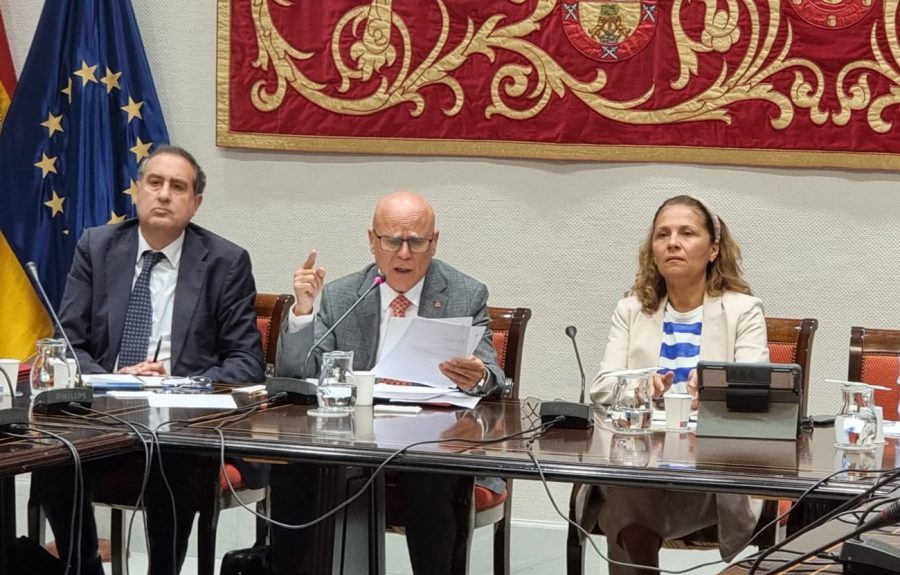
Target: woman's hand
x,y
660,383
693,389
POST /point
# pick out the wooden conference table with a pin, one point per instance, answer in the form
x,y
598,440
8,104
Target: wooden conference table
x,y
24,455
287,433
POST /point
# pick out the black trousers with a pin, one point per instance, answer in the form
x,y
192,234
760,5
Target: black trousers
x,y
430,518
168,530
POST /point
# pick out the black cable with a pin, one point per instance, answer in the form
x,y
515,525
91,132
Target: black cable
x,y
77,493
887,477
148,463
368,483
795,503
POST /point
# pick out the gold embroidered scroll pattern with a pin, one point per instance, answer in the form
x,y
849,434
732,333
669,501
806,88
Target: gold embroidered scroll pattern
x,y
859,95
376,51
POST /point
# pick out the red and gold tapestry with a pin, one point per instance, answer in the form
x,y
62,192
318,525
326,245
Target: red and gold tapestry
x,y
812,83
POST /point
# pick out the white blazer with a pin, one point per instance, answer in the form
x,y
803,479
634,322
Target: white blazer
x,y
734,329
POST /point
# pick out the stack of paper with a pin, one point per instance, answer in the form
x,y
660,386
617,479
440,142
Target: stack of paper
x,y
414,348
425,395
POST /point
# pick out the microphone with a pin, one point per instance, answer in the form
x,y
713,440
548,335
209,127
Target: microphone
x,y
53,400
302,392
379,279
887,516
872,555
575,415
571,331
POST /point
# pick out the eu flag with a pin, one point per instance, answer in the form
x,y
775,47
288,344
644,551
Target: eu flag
x,y
83,115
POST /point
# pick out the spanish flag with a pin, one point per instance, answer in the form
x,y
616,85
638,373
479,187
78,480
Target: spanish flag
x,y
22,317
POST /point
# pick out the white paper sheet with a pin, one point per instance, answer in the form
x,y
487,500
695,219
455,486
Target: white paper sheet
x,y
122,394
198,400
107,378
424,395
423,345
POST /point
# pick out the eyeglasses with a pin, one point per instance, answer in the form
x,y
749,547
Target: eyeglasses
x,y
392,244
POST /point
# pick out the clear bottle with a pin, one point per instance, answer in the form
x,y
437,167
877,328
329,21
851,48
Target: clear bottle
x,y
856,425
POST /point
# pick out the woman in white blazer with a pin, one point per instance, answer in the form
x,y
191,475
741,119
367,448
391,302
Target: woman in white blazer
x,y
689,266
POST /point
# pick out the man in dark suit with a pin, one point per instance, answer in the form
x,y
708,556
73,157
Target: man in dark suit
x,y
156,296
403,240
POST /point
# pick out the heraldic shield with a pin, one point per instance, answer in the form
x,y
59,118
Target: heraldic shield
x,y
610,30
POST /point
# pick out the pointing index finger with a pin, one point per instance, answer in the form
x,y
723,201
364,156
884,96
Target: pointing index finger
x,y
310,260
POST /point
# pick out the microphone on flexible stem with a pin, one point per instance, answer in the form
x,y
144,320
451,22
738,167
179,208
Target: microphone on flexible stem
x,y
302,392
575,415
56,399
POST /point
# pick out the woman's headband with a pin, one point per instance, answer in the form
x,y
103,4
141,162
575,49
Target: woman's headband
x,y
717,225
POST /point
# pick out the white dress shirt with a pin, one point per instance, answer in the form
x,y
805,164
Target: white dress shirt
x,y
163,279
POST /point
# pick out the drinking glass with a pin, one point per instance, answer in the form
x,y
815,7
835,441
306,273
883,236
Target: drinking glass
x,y
632,404
336,393
49,352
856,426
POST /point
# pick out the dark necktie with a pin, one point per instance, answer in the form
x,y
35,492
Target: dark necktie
x,y
139,316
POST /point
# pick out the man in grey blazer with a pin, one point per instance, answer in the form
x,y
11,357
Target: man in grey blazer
x,y
403,241
199,319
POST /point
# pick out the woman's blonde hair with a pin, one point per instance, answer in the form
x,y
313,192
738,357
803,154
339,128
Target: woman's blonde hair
x,y
722,274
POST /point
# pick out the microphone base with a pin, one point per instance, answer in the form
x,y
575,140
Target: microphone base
x,y
575,415
54,401
299,391
12,416
870,556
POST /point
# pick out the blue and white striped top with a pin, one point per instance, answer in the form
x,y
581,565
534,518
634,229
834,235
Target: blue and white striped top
x,y
680,350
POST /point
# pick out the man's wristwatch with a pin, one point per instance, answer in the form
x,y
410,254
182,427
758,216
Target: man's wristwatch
x,y
479,387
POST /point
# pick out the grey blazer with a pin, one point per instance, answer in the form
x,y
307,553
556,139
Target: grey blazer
x,y
447,292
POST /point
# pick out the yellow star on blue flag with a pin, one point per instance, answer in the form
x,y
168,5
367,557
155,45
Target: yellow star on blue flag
x,y
66,145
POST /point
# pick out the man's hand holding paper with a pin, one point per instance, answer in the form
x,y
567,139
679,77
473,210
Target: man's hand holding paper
x,y
433,352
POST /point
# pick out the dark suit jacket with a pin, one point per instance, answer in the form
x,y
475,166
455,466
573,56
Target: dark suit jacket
x,y
447,292
214,329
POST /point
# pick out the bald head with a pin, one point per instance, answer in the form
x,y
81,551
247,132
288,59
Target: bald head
x,y
403,239
403,206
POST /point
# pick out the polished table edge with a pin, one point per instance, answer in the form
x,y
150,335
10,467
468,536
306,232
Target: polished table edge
x,y
494,465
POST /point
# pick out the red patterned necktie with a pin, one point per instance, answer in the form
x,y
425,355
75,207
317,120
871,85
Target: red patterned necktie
x,y
399,306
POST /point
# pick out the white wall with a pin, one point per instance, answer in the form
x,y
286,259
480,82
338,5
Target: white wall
x,y
558,237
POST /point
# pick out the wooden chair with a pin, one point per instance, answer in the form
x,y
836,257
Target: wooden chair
x,y
790,341
508,327
271,310
875,359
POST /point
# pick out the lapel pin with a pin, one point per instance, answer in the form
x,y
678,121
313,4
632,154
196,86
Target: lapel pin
x,y
437,304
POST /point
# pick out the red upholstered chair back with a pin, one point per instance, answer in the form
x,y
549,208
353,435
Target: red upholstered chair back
x,y
790,341
271,309
875,359
508,326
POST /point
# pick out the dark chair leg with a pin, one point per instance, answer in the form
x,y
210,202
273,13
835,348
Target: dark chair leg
x,y
206,537
36,523
262,528
502,536
574,552
465,525
117,541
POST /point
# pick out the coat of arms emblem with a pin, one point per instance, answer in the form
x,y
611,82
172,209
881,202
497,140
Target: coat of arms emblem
x,y
610,30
